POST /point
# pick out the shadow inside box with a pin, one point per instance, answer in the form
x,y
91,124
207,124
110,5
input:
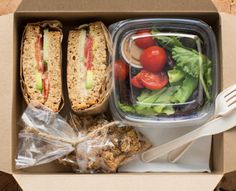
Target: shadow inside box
x,y
8,183
227,183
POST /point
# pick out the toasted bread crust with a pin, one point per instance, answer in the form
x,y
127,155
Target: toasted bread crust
x,y
80,97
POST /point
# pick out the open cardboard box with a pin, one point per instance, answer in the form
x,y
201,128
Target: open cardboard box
x,y
73,13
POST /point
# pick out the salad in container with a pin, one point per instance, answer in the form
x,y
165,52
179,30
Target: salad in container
x,y
165,72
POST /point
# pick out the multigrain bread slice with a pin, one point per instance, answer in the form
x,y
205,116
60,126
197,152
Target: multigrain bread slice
x,y
83,99
28,68
28,64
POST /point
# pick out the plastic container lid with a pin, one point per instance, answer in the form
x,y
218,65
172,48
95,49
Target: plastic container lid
x,y
165,72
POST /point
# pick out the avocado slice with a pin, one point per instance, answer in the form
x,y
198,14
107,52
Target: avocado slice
x,y
89,79
38,82
45,45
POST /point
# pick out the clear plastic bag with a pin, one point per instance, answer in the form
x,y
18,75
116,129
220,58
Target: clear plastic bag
x,y
89,144
46,137
35,150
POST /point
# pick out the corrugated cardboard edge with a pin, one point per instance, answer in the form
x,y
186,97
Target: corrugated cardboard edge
x,y
228,30
118,6
102,105
6,90
53,24
118,182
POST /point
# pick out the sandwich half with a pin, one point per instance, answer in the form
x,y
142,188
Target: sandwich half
x,y
88,73
41,64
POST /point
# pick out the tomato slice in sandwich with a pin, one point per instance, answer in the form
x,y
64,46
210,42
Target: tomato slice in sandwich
x,y
45,87
88,53
38,54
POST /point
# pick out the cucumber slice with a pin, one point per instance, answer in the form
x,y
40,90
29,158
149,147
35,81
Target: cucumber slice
x,y
45,46
38,82
89,80
175,75
82,41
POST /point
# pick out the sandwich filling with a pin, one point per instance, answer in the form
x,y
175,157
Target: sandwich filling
x,y
41,57
86,56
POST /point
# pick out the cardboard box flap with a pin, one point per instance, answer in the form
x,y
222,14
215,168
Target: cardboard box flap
x,y
118,6
230,150
138,182
6,92
228,31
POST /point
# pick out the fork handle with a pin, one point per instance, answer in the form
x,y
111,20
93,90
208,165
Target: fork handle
x,y
176,154
213,127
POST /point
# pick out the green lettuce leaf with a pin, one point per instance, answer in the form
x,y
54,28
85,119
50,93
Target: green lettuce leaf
x,y
195,64
186,90
166,41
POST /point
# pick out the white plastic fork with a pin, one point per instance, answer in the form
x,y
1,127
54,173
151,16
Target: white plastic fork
x,y
220,108
224,120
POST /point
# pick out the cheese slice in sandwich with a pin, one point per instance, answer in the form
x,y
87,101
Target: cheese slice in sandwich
x,y
87,67
41,64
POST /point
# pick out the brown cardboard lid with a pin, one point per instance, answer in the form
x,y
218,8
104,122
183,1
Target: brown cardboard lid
x,y
6,91
118,6
115,182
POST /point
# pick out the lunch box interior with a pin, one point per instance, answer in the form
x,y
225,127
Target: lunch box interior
x,y
70,20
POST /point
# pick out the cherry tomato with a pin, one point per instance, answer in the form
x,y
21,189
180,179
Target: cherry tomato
x,y
153,59
144,42
121,70
136,81
153,81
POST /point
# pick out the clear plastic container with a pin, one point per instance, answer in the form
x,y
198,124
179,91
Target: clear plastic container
x,y
165,72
